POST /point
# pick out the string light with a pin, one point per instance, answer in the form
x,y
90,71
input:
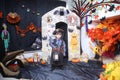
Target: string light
x,y
30,10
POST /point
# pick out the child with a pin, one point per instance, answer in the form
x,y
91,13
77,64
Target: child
x,y
58,49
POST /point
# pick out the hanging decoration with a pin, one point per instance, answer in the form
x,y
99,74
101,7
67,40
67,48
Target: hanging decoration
x,y
28,10
103,18
5,37
13,18
61,12
22,32
92,7
1,14
44,38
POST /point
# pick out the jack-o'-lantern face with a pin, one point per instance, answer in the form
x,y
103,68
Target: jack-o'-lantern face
x,y
74,35
74,40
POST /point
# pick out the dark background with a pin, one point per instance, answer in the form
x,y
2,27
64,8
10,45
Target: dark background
x,y
38,6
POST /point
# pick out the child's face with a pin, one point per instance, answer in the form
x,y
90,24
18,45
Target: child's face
x,y
58,36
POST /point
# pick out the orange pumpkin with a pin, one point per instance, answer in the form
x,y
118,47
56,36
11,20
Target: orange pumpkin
x,y
13,18
102,77
30,59
75,60
104,66
43,62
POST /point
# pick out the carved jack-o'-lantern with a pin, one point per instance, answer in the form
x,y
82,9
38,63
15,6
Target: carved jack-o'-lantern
x,y
13,18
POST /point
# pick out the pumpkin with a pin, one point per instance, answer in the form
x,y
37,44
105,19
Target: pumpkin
x,y
102,77
43,62
75,60
30,59
13,18
104,66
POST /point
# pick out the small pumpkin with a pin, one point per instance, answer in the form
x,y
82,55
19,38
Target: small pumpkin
x,y
75,60
43,62
30,59
104,66
102,77
13,18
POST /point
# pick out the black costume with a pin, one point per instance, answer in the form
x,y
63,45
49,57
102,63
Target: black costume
x,y
58,51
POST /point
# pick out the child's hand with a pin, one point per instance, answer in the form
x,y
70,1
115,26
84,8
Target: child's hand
x,y
62,50
55,49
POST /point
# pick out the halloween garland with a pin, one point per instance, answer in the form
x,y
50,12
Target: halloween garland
x,y
13,18
31,27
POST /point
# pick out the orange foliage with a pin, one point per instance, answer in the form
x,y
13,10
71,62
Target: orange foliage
x,y
107,33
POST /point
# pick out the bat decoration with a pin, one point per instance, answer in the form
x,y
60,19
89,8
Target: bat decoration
x,y
44,38
70,30
56,12
90,22
91,5
103,18
78,27
61,12
93,11
67,11
111,8
85,7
